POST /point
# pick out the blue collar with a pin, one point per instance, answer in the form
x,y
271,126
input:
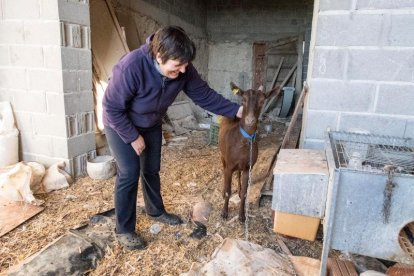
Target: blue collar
x,y
246,135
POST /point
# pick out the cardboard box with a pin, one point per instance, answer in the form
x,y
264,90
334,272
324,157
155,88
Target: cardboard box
x,y
298,226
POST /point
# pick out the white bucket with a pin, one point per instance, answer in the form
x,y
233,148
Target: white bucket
x,y
101,167
9,141
9,148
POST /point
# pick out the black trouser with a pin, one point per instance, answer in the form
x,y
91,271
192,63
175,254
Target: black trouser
x,y
129,166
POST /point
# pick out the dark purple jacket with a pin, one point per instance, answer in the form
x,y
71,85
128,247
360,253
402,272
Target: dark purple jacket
x,y
138,95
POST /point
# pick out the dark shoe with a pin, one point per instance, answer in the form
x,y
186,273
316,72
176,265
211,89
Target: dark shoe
x,y
131,241
168,219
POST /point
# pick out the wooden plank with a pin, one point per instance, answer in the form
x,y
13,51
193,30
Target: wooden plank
x,y
284,247
271,101
12,214
340,268
289,140
259,173
298,86
277,73
295,114
281,42
108,42
273,84
259,63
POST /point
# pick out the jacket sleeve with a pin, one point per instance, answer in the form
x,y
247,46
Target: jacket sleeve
x,y
121,90
204,96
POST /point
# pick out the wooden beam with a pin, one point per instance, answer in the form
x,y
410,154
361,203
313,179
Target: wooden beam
x,y
271,101
273,84
298,86
277,73
295,114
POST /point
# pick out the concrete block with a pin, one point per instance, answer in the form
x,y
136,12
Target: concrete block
x,y
70,58
49,9
70,81
42,32
329,64
14,78
73,35
74,12
318,122
85,80
78,102
30,101
42,159
62,34
21,9
349,30
85,59
60,147
26,56
383,4
395,99
55,104
45,80
300,182
72,126
52,57
77,166
86,37
402,28
76,59
85,121
329,5
4,55
35,144
51,125
381,65
24,122
81,144
375,124
12,32
341,96
6,95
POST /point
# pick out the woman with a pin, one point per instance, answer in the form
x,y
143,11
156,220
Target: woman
x,y
144,84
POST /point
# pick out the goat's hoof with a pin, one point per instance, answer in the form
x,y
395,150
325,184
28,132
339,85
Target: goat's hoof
x,y
224,215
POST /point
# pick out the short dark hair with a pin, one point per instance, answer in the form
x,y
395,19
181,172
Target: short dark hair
x,y
172,42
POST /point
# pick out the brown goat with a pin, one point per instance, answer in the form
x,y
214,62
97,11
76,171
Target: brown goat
x,y
235,146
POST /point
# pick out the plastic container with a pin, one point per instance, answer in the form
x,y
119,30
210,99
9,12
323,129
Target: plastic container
x,y
101,167
9,136
213,137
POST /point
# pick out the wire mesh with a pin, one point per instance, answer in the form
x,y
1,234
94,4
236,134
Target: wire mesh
x,y
367,152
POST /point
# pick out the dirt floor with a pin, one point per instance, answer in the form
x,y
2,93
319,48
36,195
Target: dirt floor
x,y
191,171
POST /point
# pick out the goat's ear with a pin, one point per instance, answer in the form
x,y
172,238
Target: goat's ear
x,y
235,89
275,91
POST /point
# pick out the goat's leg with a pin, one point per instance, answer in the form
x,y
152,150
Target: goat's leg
x,y
243,194
239,177
226,192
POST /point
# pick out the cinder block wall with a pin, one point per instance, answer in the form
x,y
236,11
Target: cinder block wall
x,y
233,27
45,72
361,72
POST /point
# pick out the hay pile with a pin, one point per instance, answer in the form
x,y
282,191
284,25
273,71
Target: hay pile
x,y
189,172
